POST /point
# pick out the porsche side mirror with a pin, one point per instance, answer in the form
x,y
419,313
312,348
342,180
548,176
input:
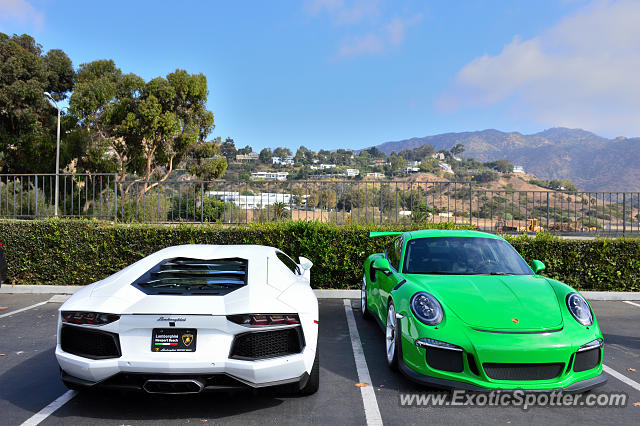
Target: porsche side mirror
x,y
537,266
305,263
381,264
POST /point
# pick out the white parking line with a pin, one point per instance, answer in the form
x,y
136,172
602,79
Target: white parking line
x,y
371,410
49,409
610,371
632,303
8,314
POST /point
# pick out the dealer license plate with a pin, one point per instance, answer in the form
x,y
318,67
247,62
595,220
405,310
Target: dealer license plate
x,y
173,339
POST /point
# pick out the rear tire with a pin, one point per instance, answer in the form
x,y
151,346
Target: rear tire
x,y
314,378
363,300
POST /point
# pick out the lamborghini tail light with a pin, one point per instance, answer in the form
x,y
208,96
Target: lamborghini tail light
x,y
257,320
88,318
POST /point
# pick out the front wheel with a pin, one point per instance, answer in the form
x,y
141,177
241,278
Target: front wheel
x,y
363,300
392,337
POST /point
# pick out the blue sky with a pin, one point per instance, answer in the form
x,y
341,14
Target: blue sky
x,y
355,73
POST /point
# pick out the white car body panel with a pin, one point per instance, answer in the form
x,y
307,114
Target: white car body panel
x,y
271,288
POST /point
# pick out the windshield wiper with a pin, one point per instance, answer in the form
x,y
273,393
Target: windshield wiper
x,y
496,273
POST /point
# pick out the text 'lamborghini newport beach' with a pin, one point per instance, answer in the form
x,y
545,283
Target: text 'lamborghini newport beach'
x,y
194,318
462,309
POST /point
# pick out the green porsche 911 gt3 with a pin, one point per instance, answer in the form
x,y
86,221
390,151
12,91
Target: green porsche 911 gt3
x,y
462,309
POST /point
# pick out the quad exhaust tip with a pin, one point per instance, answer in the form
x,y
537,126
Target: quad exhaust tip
x,y
177,386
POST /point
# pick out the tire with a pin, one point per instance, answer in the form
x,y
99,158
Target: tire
x,y
314,378
391,337
363,300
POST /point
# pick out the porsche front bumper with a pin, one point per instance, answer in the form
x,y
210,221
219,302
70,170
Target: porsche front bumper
x,y
480,361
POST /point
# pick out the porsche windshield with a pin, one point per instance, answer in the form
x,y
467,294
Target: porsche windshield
x,y
463,256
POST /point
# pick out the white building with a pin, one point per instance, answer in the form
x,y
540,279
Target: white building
x,y
445,168
413,163
285,161
327,166
252,201
412,170
438,156
374,175
518,169
351,172
270,175
247,157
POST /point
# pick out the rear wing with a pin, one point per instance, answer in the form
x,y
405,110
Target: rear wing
x,y
383,234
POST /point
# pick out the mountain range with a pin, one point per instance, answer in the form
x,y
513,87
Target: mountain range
x,y
592,162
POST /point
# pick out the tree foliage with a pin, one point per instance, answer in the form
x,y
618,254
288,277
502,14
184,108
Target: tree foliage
x,y
116,122
27,120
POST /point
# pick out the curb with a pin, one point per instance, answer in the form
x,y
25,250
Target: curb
x,y
320,294
39,289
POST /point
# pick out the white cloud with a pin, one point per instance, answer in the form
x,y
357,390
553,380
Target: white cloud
x,y
342,12
21,11
582,72
373,36
379,40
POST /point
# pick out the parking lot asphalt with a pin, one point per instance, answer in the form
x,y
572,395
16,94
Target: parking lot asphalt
x,y
29,380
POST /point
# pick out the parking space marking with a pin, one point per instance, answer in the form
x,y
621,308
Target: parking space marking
x,y
17,311
41,415
371,410
610,371
632,303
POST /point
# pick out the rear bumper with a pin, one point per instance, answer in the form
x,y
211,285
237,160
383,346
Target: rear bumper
x,y
207,382
257,373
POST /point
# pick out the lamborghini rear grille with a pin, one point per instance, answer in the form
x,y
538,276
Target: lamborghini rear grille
x,y
267,344
513,371
185,276
87,343
586,360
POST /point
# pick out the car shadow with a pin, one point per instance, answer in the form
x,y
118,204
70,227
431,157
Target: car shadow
x,y
32,383
111,405
630,342
374,347
35,382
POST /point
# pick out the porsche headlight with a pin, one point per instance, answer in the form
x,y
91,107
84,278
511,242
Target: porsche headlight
x,y
579,308
426,308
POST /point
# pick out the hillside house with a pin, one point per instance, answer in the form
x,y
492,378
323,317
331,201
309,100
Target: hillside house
x,y
270,175
252,156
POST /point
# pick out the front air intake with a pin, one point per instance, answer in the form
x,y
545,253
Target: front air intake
x,y
518,371
586,360
185,276
89,343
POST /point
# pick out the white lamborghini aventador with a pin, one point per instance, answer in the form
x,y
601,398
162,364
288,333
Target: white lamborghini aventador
x,y
194,318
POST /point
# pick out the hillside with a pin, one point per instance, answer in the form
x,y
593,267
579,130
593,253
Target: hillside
x,y
592,162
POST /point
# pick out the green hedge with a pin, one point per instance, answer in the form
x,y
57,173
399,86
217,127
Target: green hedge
x,y
78,252
601,264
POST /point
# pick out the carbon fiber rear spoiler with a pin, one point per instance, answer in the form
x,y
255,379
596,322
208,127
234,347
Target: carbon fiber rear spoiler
x,y
383,234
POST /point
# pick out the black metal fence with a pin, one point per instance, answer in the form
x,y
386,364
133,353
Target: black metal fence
x,y
105,196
